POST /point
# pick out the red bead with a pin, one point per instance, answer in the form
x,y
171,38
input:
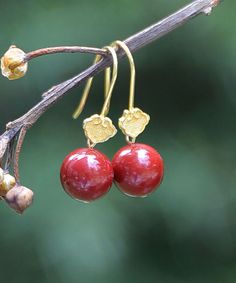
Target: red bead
x,y
86,174
138,169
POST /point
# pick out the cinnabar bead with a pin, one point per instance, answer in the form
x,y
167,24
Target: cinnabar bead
x,y
138,169
86,174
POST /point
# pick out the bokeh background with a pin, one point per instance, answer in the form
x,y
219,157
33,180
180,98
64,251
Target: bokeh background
x,y
186,230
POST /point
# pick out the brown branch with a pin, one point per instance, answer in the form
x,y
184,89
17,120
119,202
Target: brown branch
x,y
17,154
63,49
134,43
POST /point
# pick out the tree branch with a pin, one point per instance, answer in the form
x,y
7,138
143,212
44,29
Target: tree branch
x,y
134,43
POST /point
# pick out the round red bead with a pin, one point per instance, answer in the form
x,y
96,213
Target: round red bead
x,y
138,169
86,174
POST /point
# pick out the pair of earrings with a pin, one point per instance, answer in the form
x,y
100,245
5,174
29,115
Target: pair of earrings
x,y
137,169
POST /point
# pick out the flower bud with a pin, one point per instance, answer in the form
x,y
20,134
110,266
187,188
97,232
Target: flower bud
x,y
12,63
19,198
1,175
7,184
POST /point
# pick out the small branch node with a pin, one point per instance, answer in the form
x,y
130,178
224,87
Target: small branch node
x,y
9,125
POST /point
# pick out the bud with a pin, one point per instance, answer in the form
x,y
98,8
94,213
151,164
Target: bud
x,y
12,63
1,176
7,184
19,198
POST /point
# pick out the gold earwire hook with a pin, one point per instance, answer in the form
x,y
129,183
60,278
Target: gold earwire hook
x,y
110,85
107,83
99,128
134,120
132,71
85,94
87,88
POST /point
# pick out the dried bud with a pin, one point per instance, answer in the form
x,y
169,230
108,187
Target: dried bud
x,y
19,198
1,175
7,184
12,63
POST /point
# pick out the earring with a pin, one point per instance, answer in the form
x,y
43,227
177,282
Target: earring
x,y
138,168
86,173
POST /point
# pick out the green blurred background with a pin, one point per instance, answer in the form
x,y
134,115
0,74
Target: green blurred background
x,y
184,232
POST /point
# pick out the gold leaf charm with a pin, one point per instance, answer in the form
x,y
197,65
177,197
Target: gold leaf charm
x,y
98,128
133,122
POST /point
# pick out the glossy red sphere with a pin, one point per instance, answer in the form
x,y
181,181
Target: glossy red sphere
x,y
138,169
86,174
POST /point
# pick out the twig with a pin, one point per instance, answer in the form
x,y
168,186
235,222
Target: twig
x,y
63,49
17,153
10,154
134,43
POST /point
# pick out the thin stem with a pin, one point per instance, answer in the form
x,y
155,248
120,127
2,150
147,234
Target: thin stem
x,y
9,154
63,49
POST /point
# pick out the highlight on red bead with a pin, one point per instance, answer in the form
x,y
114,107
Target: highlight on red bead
x,y
138,169
86,174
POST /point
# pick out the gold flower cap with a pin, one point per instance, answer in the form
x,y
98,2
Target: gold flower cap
x,y
133,122
98,128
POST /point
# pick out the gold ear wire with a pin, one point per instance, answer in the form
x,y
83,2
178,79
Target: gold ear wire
x,y
99,128
134,120
132,71
107,84
85,94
